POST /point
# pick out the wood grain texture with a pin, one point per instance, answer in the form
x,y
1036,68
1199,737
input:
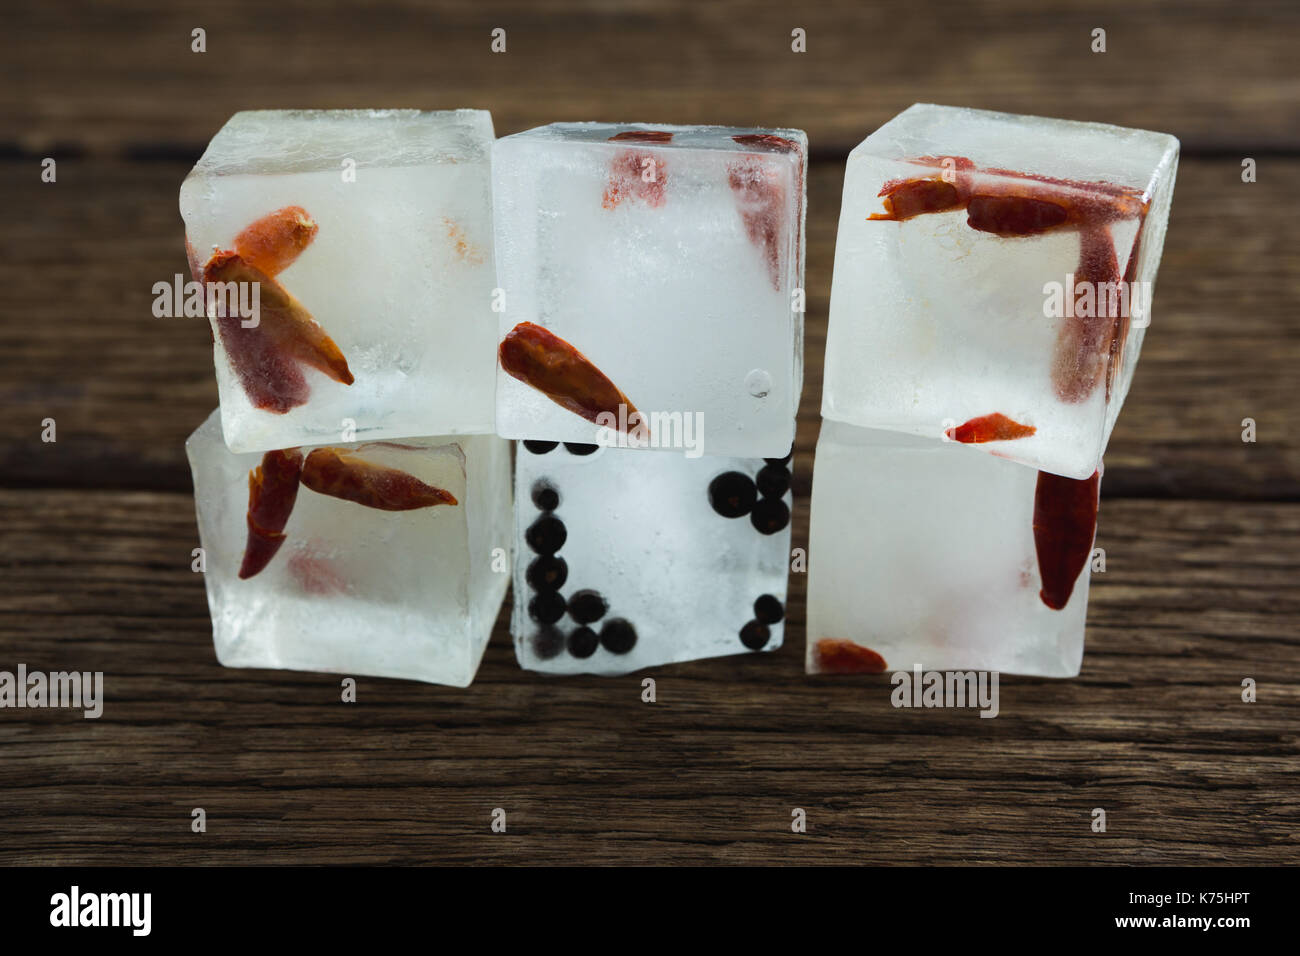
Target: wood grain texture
x,y
81,257
121,76
1201,530
1197,595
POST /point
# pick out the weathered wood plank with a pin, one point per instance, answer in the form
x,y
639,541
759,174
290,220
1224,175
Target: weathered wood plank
x,y
1197,596
122,76
80,258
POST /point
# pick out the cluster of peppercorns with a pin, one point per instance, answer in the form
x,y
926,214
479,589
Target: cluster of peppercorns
x,y
548,572
734,494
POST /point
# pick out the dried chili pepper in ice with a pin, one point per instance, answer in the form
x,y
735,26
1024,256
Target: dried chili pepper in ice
x,y
767,142
555,368
760,197
995,427
1065,524
642,136
341,473
272,490
636,175
1007,203
760,194
264,355
1012,204
272,243
1083,346
837,656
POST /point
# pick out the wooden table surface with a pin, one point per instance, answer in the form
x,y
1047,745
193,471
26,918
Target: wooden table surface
x,y
1201,530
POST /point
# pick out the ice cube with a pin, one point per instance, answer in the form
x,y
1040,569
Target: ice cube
x,y
949,306
930,553
661,267
629,560
378,223
352,587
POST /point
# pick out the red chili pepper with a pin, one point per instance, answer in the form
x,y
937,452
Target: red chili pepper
x,y
272,490
837,656
760,196
555,368
995,427
1083,345
764,228
937,191
272,243
1015,204
1014,215
272,381
341,473
1007,202
264,356
1065,525
767,141
638,175
642,136
916,198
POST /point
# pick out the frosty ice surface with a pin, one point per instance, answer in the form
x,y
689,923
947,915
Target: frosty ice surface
x,y
930,553
628,560
369,234
369,558
993,273
655,267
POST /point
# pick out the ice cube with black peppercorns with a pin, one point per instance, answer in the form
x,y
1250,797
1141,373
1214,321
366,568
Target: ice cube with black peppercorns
x,y
626,561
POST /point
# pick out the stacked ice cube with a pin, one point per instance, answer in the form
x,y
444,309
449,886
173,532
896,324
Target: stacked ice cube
x,y
992,284
347,262
635,319
652,323
397,270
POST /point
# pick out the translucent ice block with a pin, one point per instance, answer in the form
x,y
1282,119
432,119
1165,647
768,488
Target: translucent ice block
x,y
389,214
670,259
924,552
627,560
947,307
352,588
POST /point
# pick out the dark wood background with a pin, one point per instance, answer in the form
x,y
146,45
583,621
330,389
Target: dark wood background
x,y
1200,529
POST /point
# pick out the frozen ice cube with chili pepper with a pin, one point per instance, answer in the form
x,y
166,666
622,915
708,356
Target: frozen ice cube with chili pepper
x,y
369,236
627,560
930,553
993,279
388,559
651,271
